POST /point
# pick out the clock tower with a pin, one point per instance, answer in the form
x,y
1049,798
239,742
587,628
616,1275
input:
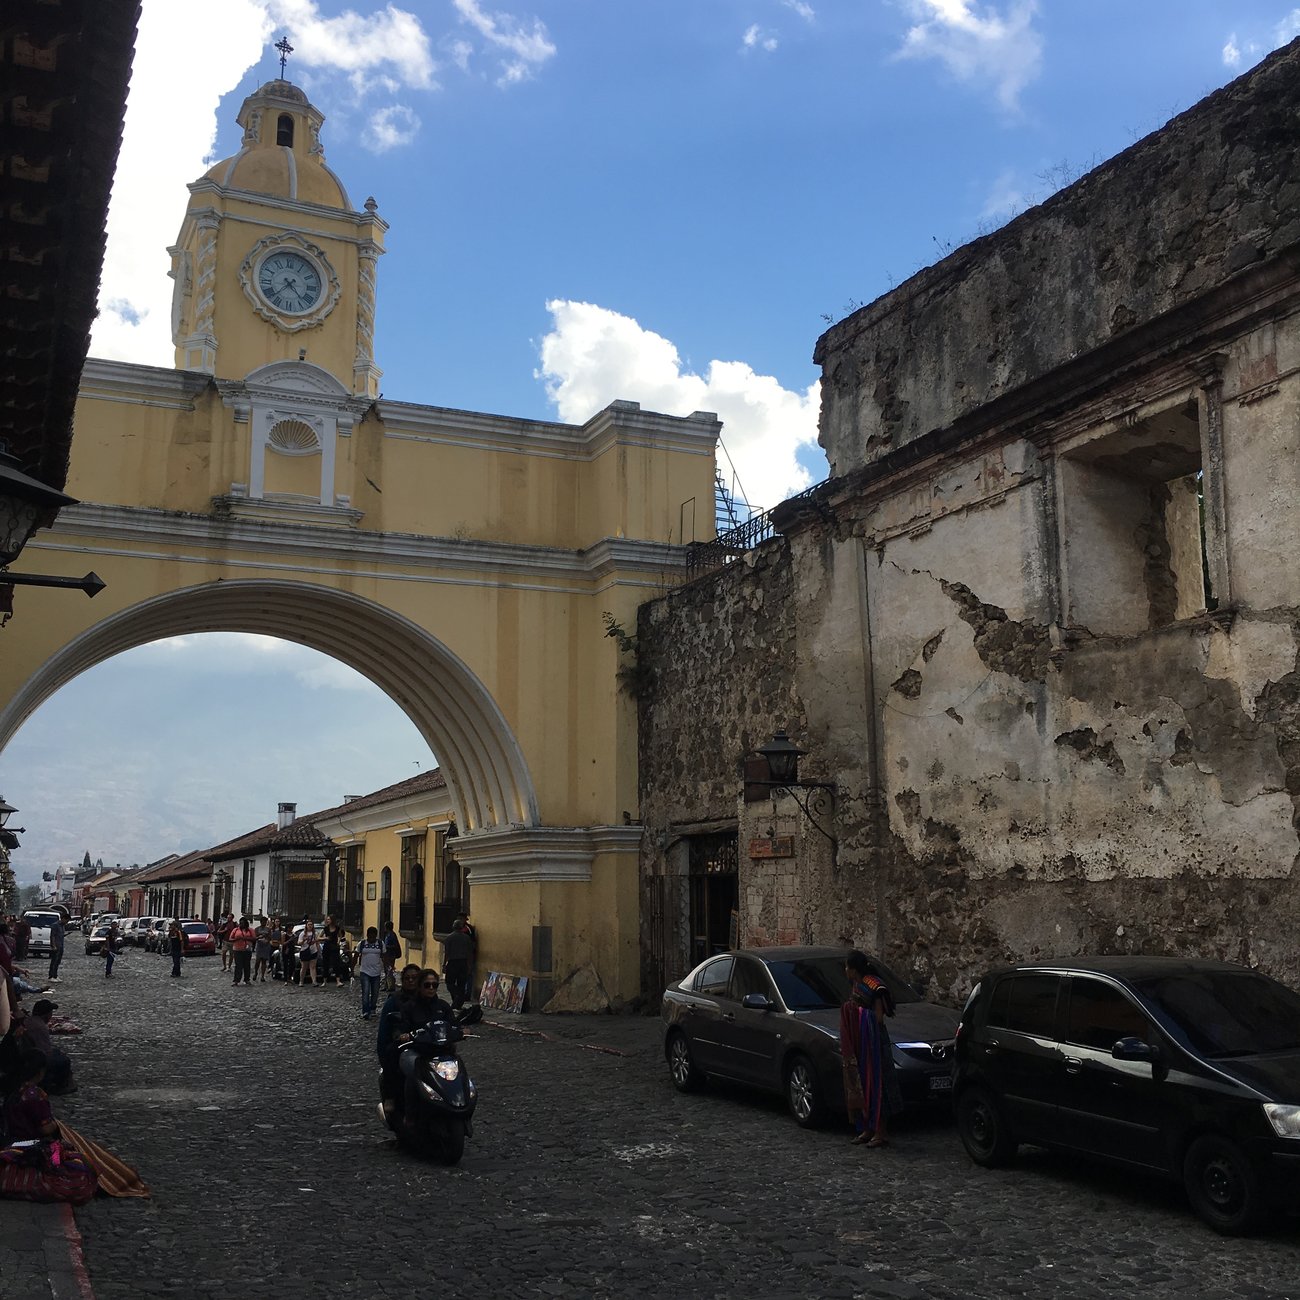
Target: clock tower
x,y
272,263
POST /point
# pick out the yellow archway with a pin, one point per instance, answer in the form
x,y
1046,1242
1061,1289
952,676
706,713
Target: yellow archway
x,y
486,772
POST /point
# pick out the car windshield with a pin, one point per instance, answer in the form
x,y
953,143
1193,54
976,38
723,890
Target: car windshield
x,y
1226,1013
194,927
42,920
813,983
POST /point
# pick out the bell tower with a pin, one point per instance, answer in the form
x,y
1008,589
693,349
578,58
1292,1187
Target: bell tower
x,y
272,262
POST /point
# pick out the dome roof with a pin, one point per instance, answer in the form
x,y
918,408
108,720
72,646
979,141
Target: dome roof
x,y
276,171
281,153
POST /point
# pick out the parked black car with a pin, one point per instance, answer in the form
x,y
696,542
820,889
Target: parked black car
x,y
770,1017
1189,1068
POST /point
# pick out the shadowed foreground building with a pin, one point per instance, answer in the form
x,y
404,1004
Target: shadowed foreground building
x,y
1040,627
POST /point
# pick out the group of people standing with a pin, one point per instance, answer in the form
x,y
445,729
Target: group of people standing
x,y
253,948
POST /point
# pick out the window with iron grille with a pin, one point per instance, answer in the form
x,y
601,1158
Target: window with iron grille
x,y
450,881
354,860
410,911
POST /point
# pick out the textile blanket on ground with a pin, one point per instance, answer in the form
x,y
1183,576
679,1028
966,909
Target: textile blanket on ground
x,y
28,1175
62,1025
116,1178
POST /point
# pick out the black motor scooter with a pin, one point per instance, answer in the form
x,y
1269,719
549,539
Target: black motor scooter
x,y
435,1113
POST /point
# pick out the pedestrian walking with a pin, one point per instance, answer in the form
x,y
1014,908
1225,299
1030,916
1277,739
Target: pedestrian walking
x,y
368,962
176,946
242,939
261,950
392,955
56,947
110,948
224,927
455,964
308,954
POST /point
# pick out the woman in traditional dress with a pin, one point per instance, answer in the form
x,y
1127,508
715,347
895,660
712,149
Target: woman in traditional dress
x,y
869,1084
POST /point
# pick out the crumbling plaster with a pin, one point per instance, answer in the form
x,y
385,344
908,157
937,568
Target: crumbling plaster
x,y
991,629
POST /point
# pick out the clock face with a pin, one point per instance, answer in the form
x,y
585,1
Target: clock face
x,y
289,281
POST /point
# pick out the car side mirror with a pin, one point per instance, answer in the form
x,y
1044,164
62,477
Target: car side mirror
x,y
756,1002
1135,1049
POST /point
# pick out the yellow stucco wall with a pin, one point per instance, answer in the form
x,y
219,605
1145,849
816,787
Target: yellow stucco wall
x,y
500,541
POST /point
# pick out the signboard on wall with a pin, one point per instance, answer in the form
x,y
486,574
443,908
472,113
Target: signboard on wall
x,y
772,846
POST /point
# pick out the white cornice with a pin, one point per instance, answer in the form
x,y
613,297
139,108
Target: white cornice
x,y
541,853
609,557
345,827
622,424
143,385
207,185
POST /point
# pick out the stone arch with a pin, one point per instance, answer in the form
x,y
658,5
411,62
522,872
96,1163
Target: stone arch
x,y
487,776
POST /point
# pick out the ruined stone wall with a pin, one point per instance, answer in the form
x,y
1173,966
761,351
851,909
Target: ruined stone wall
x,y
1189,207
1044,640
715,661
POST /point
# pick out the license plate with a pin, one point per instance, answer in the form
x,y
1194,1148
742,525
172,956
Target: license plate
x,y
941,1083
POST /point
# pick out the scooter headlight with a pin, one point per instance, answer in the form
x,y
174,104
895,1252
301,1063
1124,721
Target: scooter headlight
x,y
447,1070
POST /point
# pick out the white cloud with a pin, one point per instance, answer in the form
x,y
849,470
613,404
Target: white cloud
x,y
242,654
1232,52
804,10
170,131
755,38
978,45
1005,198
526,48
593,356
392,126
354,42
1288,29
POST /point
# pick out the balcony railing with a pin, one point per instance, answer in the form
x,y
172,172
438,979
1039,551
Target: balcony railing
x,y
705,557
444,914
354,913
410,917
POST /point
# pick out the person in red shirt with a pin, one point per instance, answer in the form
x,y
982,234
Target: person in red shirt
x,y
242,938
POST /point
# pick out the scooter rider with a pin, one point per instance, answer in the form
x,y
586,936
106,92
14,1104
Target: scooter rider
x,y
418,1012
392,1023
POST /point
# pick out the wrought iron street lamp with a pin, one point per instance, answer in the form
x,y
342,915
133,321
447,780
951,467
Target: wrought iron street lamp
x,y
782,756
27,504
8,836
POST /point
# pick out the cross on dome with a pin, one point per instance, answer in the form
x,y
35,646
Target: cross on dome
x,y
285,50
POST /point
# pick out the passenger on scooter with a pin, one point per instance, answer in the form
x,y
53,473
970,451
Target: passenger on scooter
x,y
391,1024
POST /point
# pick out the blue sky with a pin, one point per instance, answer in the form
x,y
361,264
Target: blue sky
x,y
657,200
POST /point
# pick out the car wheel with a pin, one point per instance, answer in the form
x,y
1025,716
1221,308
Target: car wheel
x,y
685,1073
1222,1186
803,1092
983,1131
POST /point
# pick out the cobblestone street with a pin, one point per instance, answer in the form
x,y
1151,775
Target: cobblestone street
x,y
251,1114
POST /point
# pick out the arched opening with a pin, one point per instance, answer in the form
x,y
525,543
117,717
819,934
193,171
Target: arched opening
x,y
487,777
284,130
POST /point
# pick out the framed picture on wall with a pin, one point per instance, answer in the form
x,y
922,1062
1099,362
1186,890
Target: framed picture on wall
x,y
371,891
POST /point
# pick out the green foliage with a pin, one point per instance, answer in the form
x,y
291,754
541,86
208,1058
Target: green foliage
x,y
633,677
8,887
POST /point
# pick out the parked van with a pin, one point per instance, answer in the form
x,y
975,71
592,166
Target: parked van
x,y
40,919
